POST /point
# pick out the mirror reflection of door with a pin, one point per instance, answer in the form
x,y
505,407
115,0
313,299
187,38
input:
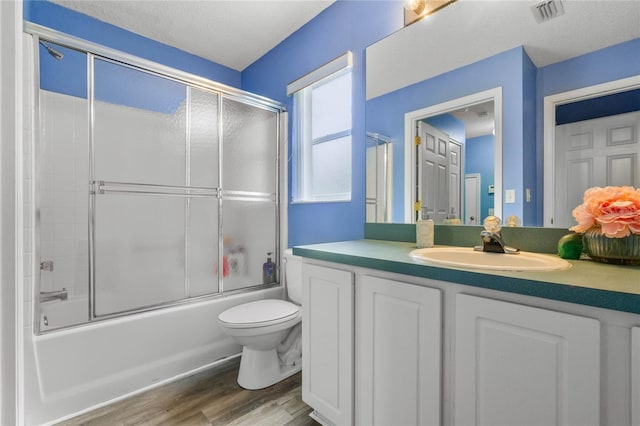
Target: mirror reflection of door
x,y
472,185
455,180
440,169
597,152
455,143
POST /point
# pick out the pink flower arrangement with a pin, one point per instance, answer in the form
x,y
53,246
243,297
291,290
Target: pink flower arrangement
x,y
614,210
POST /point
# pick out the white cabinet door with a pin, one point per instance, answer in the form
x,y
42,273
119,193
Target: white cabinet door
x,y
398,347
327,343
518,365
635,376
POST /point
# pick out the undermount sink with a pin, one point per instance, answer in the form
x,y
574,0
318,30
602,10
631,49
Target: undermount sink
x,y
467,257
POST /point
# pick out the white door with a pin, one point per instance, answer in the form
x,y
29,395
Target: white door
x,y
327,343
433,173
472,199
398,329
598,152
635,376
519,365
455,179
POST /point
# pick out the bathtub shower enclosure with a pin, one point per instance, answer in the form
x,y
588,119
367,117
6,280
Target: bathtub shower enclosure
x,y
152,186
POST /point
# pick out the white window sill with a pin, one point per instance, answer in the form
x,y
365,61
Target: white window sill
x,y
336,200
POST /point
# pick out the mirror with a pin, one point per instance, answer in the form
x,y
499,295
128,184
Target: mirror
x,y
504,50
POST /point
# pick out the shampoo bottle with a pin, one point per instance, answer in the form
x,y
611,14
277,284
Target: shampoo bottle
x,y
268,271
424,231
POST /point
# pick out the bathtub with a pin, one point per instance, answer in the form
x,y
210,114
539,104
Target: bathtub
x,y
74,370
63,313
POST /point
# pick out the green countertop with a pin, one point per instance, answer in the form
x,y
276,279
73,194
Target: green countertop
x,y
586,282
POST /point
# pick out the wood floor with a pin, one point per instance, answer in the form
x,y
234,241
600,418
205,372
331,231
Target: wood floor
x,y
211,397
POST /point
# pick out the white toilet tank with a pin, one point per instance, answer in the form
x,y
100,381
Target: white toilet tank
x,y
293,276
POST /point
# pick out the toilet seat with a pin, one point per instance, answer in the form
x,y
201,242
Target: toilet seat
x,y
261,313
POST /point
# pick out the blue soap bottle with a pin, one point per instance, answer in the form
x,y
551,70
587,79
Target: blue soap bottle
x,y
268,270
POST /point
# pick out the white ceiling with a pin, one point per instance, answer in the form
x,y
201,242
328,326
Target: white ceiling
x,y
234,33
478,119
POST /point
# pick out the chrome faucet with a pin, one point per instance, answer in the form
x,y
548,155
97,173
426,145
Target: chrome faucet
x,y
492,240
47,296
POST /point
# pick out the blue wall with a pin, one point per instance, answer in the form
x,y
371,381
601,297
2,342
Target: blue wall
x,y
76,24
609,64
479,159
345,25
68,76
385,115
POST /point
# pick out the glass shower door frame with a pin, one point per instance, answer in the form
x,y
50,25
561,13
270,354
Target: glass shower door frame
x,y
102,188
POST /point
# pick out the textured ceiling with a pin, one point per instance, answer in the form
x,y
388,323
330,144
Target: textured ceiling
x,y
478,119
234,33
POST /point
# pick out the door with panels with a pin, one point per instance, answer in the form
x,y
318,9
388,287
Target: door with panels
x,y
327,343
433,172
398,332
599,152
519,365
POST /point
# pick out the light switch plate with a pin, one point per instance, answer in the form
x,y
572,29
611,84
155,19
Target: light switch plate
x,y
510,196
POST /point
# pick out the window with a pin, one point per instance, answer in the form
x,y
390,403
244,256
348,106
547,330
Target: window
x,y
322,139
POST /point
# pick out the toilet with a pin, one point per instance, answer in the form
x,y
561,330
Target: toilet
x,y
270,332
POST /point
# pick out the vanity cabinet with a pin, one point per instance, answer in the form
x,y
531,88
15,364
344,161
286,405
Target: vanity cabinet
x,y
398,347
382,348
328,343
519,365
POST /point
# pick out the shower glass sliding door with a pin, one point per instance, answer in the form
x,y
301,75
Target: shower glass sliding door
x,y
156,180
249,158
61,176
155,186
204,172
139,152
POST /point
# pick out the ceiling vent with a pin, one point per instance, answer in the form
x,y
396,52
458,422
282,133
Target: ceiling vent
x,y
547,10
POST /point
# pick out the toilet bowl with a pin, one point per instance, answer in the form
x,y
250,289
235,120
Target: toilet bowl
x,y
267,331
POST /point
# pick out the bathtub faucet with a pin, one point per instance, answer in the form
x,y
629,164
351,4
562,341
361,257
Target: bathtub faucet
x,y
47,296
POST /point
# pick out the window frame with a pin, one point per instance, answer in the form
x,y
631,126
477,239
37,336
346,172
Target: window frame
x,y
304,142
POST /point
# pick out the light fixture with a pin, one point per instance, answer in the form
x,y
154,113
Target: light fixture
x,y
415,10
416,6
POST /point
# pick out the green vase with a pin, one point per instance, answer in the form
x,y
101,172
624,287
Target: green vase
x,y
619,251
